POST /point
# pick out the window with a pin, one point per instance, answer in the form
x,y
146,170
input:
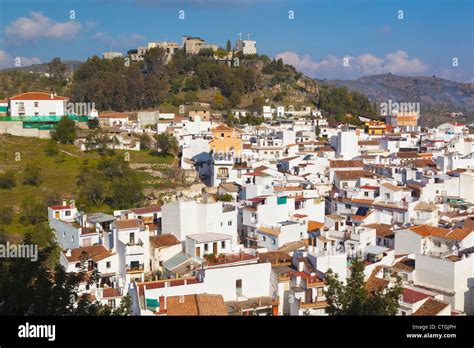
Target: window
x,y
320,292
223,244
206,247
404,277
36,113
437,244
404,313
229,223
36,104
111,303
273,241
348,206
68,213
72,239
387,196
264,238
238,287
366,194
132,238
107,264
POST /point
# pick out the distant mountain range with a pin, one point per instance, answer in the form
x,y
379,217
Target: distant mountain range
x,y
72,65
436,96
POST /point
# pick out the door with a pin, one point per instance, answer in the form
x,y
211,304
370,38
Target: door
x,y
238,287
198,251
214,248
56,215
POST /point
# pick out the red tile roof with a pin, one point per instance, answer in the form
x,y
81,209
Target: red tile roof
x,y
346,164
145,210
412,296
164,240
127,224
93,252
314,225
200,304
432,306
37,96
111,292
60,207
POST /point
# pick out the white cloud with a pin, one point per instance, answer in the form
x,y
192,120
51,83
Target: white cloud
x,y
37,26
8,61
333,67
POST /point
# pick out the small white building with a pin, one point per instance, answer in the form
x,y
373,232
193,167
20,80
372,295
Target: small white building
x,y
38,104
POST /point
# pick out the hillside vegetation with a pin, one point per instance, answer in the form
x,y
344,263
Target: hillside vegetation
x,y
436,96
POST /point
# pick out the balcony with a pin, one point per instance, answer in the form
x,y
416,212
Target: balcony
x,y
314,304
222,175
252,236
135,269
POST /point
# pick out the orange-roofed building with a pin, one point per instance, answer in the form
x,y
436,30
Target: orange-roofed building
x,y
226,139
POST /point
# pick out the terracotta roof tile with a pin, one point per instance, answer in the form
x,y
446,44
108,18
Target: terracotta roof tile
x,y
164,240
37,96
432,306
127,224
94,252
200,304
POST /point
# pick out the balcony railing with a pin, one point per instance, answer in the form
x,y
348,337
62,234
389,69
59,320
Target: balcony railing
x,y
137,268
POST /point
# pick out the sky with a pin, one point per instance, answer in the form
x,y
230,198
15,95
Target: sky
x,y
325,39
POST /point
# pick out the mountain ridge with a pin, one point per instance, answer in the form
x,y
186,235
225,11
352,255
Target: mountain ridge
x,y
437,96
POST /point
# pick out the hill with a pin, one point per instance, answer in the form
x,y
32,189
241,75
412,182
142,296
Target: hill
x,y
436,96
71,66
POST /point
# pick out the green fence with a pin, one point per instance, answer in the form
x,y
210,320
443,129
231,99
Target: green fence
x,y
44,119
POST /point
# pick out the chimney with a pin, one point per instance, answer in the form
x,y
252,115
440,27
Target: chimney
x,y
68,253
241,252
52,95
64,202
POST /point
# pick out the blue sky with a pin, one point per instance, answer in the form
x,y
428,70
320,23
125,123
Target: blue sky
x,y
322,34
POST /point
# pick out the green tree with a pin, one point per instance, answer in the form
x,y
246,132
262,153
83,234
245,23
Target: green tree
x,y
100,141
155,60
166,143
93,123
93,186
56,70
32,175
353,298
228,46
52,148
145,141
127,191
39,288
225,198
64,131
234,98
7,180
